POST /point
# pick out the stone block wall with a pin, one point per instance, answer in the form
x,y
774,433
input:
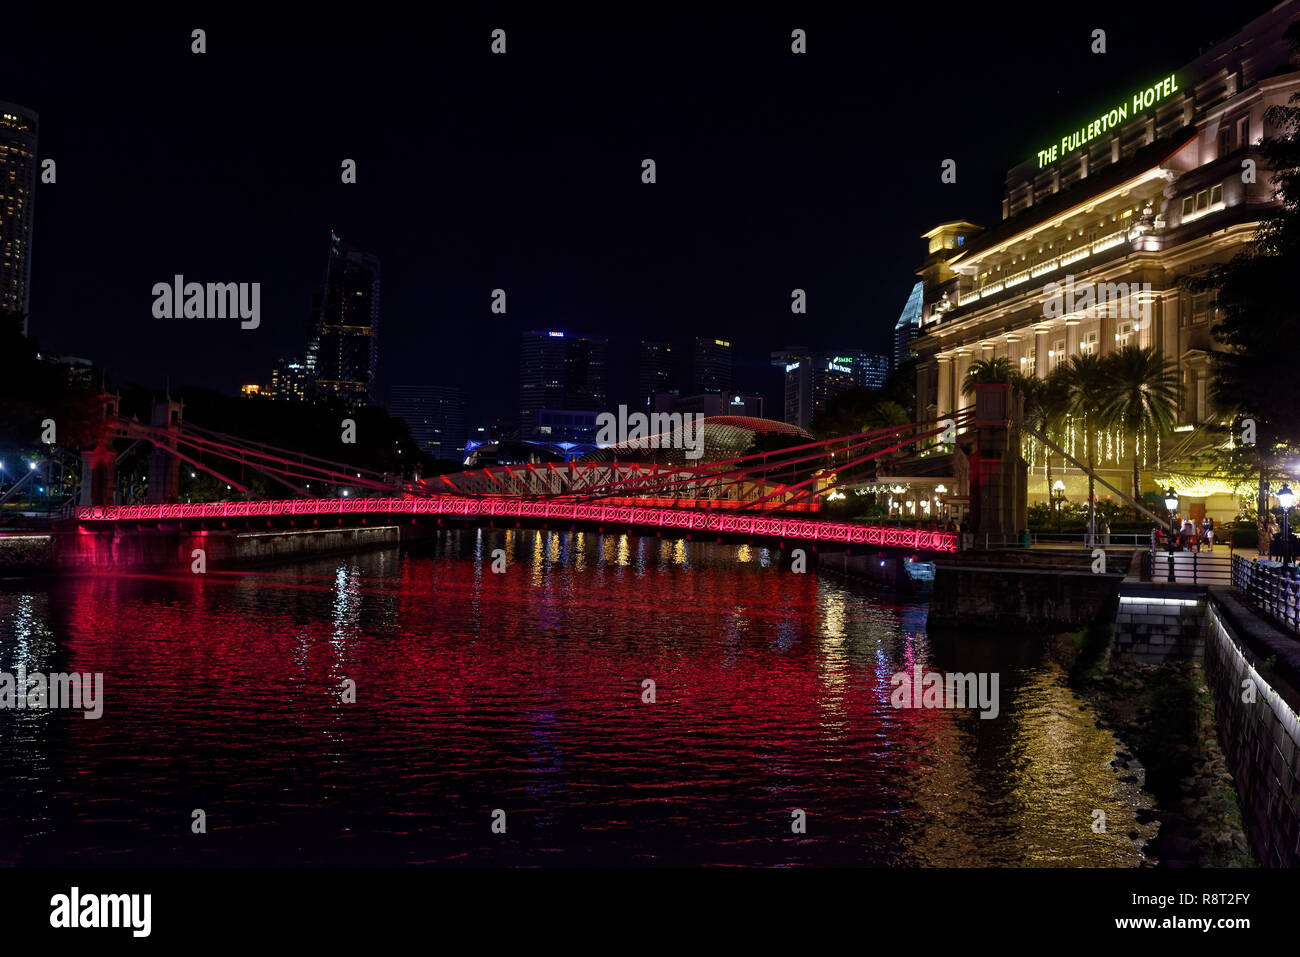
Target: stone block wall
x,y
1261,738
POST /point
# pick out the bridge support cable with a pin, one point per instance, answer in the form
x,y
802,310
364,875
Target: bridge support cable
x,y
761,465
849,465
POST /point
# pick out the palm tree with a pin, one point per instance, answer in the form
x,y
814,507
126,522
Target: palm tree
x,y
1085,380
987,370
1047,405
1140,397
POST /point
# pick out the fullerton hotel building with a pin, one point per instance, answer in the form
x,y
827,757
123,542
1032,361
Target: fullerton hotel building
x,y
1158,184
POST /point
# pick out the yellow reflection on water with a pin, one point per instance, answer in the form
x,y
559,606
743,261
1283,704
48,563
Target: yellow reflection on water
x,y
1054,773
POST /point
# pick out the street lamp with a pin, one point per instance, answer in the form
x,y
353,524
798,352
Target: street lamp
x,y
1286,498
1058,489
1171,503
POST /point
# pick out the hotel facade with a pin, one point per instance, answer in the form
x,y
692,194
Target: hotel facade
x,y
1157,184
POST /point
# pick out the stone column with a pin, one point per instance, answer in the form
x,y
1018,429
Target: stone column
x,y
945,385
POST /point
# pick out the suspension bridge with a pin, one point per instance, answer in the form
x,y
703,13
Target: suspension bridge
x,y
773,495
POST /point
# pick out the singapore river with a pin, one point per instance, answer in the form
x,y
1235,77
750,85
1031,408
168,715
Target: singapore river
x,y
519,702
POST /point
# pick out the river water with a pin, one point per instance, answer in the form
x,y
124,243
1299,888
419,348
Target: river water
x,y
520,699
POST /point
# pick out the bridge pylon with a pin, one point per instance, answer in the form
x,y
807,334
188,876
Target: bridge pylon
x,y
164,466
999,477
99,463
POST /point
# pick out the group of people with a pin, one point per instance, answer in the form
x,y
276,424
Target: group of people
x,y
1190,537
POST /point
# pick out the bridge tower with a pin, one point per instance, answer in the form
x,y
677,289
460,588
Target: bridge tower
x,y
999,477
99,463
164,467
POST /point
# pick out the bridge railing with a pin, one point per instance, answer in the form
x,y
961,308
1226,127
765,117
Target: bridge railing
x,y
1269,587
461,508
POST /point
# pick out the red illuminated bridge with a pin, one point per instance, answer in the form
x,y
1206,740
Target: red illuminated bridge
x,y
647,485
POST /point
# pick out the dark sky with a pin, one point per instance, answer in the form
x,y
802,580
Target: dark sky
x,y
522,171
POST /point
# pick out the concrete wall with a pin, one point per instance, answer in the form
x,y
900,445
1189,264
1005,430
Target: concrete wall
x,y
162,548
26,555
1021,599
1261,739
1155,622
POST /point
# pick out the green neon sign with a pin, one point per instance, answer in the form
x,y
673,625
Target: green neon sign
x,y
1109,120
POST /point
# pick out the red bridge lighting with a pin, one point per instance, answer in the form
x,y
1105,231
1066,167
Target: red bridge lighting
x,y
713,523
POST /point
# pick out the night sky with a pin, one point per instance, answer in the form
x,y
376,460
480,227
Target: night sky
x,y
523,171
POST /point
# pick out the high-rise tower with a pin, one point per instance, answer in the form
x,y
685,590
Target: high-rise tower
x,y
342,346
17,206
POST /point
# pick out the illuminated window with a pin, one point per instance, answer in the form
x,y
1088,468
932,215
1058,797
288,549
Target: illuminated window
x,y
1088,344
1200,307
1124,336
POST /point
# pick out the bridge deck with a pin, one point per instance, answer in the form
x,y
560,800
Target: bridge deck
x,y
728,522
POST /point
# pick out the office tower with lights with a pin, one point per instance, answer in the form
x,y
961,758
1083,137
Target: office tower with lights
x,y
812,379
710,366
908,326
18,172
558,371
290,381
342,346
436,417
657,371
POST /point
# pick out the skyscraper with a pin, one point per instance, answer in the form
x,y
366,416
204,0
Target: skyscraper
x,y
17,206
435,416
342,347
657,371
290,381
812,379
710,366
560,372
908,326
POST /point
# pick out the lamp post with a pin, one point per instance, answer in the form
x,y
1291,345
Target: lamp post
x,y
1171,503
1058,489
1286,498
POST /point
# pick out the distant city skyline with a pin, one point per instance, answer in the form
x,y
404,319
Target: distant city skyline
x,y
498,187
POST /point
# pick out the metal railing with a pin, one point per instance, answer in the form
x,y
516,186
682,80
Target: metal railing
x,y
1196,568
1099,539
1270,587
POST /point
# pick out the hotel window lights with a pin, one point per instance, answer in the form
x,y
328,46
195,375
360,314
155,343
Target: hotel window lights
x,y
1058,353
1200,307
1203,200
1088,344
1124,336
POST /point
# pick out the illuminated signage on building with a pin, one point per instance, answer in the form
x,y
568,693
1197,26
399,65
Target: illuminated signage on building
x,y
834,367
791,366
556,335
1142,100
